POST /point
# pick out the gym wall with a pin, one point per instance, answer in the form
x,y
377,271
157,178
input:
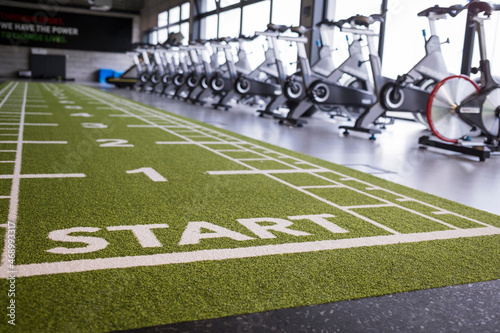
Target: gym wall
x,y
88,34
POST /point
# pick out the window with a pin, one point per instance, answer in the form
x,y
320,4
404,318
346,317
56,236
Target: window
x,y
404,45
229,24
176,19
209,25
162,35
225,3
153,38
210,5
185,11
255,17
286,12
163,19
185,32
174,15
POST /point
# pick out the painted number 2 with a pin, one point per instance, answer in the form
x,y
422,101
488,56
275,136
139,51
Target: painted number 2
x,y
151,173
114,143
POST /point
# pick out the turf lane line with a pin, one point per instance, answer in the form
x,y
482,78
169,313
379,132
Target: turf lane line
x,y
371,206
85,265
30,124
6,87
322,186
14,192
30,113
12,88
195,142
46,175
40,142
263,172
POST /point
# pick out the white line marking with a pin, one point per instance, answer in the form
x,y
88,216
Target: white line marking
x,y
14,190
264,172
4,197
86,265
151,173
370,206
7,161
194,143
31,113
255,159
30,124
441,212
322,186
39,142
231,150
48,175
37,106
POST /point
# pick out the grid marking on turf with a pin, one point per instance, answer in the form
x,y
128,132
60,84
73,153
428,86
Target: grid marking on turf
x,y
171,123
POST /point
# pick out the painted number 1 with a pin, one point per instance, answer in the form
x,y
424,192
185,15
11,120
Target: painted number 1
x,y
151,173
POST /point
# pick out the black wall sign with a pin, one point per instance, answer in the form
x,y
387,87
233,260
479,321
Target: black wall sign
x,y
53,29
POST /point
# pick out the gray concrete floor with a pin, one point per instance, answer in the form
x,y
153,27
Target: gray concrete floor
x,y
395,156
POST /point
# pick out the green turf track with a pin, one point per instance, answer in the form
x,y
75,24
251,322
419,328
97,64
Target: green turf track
x,y
109,299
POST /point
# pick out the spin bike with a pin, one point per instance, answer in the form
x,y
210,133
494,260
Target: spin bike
x,y
264,80
357,93
457,105
409,92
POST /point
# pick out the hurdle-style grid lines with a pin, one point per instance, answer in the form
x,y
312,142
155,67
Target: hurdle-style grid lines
x,y
190,133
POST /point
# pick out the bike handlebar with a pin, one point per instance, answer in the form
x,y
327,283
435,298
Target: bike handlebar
x,y
476,8
276,27
337,24
365,21
301,30
452,10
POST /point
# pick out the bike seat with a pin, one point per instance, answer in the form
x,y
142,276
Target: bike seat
x,y
476,8
452,10
301,30
277,27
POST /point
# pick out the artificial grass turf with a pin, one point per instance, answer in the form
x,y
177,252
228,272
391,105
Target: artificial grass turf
x,y
113,299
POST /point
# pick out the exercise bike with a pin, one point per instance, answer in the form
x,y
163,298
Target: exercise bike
x,y
263,81
409,92
327,92
458,106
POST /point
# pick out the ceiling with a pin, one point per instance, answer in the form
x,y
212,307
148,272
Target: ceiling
x,y
117,6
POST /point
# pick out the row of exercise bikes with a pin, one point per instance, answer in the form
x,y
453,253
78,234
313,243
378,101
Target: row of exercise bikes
x,y
463,114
